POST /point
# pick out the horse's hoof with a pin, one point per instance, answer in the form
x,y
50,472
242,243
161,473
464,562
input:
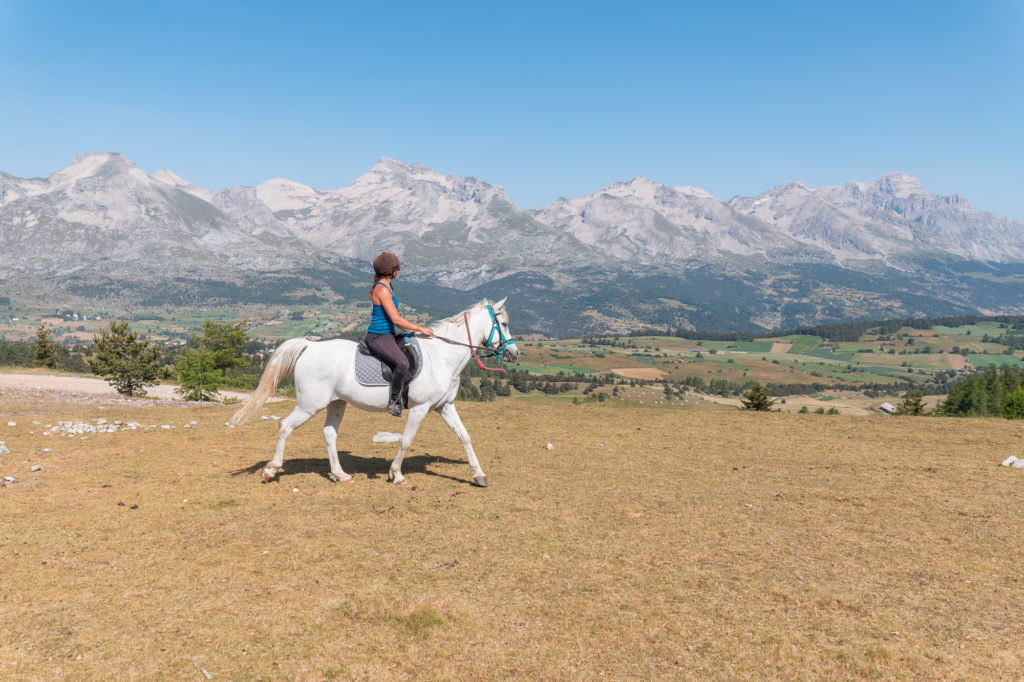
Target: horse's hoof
x,y
480,481
338,479
268,474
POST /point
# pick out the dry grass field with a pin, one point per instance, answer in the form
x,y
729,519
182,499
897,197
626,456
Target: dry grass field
x,y
702,544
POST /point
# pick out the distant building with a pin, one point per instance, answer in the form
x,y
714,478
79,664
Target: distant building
x,y
888,408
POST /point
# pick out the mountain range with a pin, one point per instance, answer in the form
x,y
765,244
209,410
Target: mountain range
x,y
634,253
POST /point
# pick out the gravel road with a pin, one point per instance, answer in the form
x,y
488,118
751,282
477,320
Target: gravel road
x,y
57,383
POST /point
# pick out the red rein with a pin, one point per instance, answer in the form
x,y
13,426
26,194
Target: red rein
x,y
472,349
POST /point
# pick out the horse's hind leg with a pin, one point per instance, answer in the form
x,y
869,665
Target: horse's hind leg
x,y
335,411
297,418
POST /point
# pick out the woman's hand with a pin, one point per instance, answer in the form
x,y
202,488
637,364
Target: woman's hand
x,y
426,331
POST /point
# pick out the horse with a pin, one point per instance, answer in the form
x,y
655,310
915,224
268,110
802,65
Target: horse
x,y
324,378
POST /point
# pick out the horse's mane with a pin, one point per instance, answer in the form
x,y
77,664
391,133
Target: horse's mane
x,y
457,318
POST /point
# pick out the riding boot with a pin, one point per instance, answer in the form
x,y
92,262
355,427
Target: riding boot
x,y
395,398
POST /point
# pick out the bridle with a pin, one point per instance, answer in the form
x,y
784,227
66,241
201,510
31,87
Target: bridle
x,y
486,348
500,352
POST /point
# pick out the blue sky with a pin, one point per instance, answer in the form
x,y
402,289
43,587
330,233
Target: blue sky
x,y
546,99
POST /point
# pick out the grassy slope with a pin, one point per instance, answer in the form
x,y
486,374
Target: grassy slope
x,y
648,543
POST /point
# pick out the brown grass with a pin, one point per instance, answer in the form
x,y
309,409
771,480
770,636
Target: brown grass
x,y
647,544
639,372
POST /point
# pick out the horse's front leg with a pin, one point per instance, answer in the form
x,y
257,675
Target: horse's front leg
x,y
451,418
412,425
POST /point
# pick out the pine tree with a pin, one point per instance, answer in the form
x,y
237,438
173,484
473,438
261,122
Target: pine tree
x,y
225,342
46,349
757,399
128,364
1013,408
912,404
198,377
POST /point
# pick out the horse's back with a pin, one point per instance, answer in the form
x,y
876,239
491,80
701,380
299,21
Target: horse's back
x,y
325,372
325,360
325,354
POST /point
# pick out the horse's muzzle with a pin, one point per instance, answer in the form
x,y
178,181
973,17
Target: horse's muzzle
x,y
511,353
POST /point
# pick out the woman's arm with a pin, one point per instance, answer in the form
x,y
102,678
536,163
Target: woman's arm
x,y
399,321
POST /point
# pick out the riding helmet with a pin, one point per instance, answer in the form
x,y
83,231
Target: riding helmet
x,y
385,262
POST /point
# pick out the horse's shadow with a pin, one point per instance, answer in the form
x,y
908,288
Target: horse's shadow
x,y
371,467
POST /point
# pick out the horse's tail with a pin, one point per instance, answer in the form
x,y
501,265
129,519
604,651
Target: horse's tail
x,y
282,361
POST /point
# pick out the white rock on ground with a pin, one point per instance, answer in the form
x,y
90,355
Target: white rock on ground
x,y
4,450
35,467
549,446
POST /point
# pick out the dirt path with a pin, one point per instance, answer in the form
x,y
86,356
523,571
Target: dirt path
x,y
51,382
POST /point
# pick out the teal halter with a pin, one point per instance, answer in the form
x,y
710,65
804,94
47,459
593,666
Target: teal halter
x,y
500,352
495,326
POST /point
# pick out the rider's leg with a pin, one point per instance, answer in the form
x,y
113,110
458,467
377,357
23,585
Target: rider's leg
x,y
386,348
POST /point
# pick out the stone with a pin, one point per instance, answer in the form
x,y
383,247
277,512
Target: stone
x,y
12,423
549,446
35,467
4,450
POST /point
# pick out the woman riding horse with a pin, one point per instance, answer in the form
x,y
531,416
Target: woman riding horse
x,y
384,323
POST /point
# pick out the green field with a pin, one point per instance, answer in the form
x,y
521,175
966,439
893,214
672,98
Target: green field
x,y
995,361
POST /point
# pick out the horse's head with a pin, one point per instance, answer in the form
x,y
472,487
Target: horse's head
x,y
499,339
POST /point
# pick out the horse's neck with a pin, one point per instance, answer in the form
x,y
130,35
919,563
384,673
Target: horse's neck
x,y
458,355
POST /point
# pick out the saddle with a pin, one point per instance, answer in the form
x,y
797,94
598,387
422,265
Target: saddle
x,y
370,370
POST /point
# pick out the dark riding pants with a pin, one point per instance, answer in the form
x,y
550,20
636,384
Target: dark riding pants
x,y
386,348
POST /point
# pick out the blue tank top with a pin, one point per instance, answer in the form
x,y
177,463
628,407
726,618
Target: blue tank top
x,y
380,323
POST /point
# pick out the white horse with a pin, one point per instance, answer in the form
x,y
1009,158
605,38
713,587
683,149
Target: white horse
x,y
324,378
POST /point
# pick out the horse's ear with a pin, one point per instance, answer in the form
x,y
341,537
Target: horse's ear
x,y
501,304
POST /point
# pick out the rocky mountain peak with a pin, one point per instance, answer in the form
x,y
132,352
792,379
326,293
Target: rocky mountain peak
x,y
280,194
106,168
392,177
900,185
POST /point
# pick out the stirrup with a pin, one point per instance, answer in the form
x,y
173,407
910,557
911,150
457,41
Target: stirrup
x,y
395,409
